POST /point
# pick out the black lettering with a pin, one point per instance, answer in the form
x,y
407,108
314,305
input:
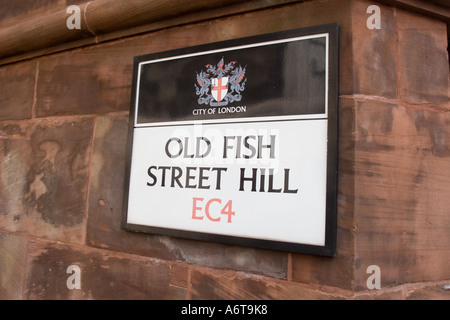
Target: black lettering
x,y
184,177
271,189
186,141
201,178
189,177
263,180
167,148
270,146
252,179
238,147
176,177
286,183
218,177
249,147
226,146
163,175
208,149
151,175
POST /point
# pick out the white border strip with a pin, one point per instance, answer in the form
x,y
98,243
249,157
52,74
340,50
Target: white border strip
x,y
245,119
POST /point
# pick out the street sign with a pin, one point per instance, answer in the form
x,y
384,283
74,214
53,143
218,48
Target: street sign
x,y
236,142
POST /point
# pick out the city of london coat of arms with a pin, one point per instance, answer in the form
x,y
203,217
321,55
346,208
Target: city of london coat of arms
x,y
221,84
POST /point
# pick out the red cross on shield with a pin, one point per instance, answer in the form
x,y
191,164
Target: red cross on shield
x,y
219,88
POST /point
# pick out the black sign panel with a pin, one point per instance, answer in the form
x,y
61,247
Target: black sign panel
x,y
236,142
274,78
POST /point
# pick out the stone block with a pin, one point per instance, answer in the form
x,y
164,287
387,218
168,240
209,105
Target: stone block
x,y
401,186
105,215
95,274
13,253
44,176
374,52
423,59
96,80
432,292
17,82
231,286
179,275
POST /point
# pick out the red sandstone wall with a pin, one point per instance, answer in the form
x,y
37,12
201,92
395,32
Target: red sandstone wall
x,y
63,127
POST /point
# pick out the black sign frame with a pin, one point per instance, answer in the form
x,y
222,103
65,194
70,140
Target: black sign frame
x,y
329,249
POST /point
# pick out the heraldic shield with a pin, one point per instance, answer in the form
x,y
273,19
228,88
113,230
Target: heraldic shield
x,y
219,88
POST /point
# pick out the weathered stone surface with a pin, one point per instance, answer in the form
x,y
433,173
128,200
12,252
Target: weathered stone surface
x,y
436,292
229,286
33,31
103,275
105,215
17,82
179,275
44,172
375,294
82,82
13,253
423,59
401,186
107,17
374,52
12,12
